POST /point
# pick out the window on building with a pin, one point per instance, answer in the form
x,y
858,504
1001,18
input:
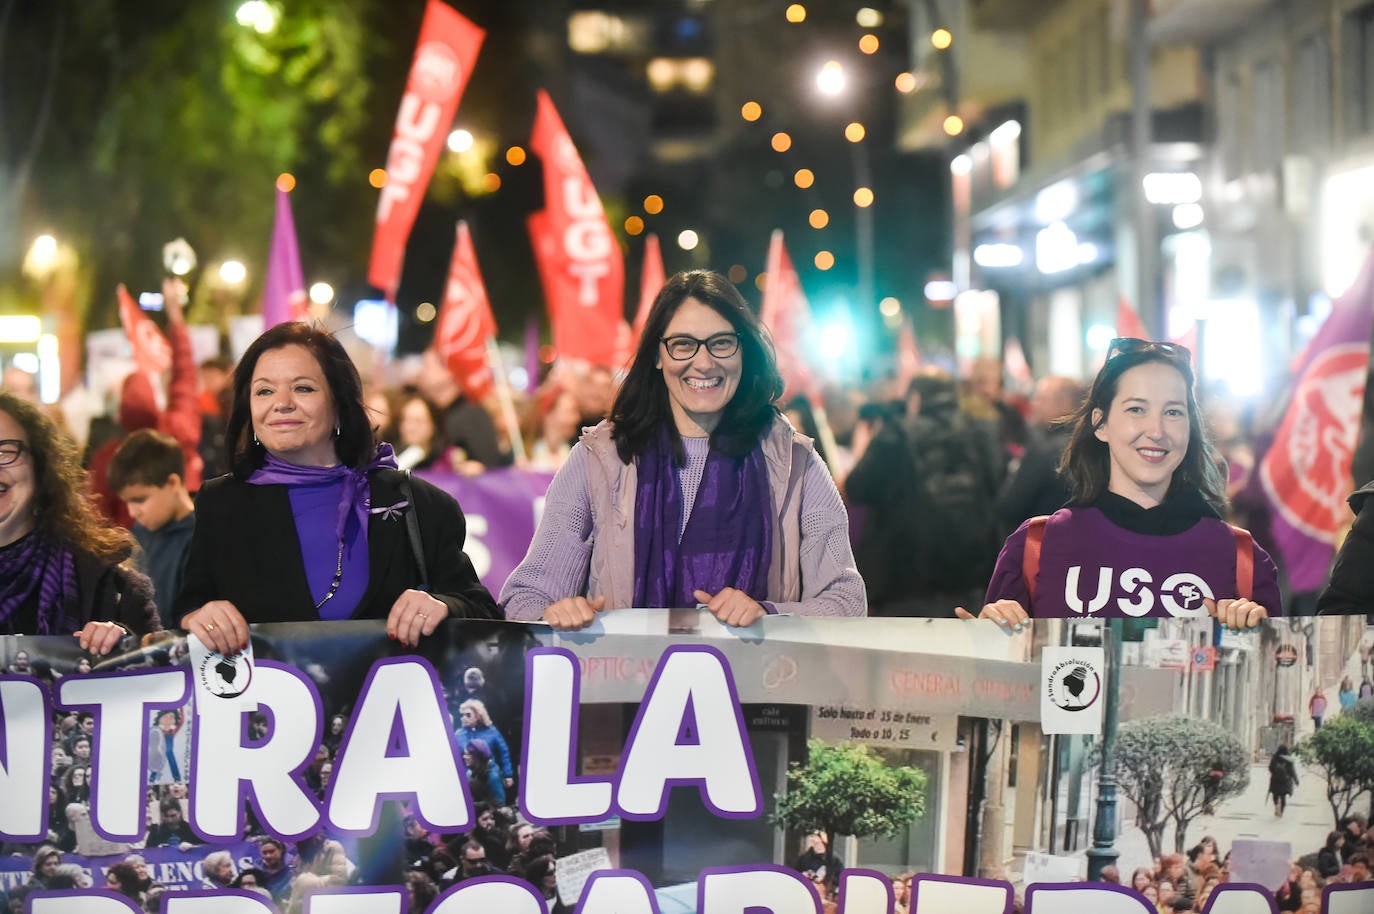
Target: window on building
x,y
1312,94
1358,76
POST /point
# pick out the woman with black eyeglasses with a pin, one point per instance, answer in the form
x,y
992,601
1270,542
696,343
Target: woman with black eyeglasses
x,y
1143,534
63,569
695,490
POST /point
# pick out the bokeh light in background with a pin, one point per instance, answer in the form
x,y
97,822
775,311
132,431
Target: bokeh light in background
x,y
781,142
831,80
653,204
634,225
751,111
460,141
491,182
426,312
954,125
941,39
796,13
232,272
906,83
377,177
863,197
803,178
854,132
869,44
818,219
868,18
286,182
321,293
515,156
738,273
824,260
687,240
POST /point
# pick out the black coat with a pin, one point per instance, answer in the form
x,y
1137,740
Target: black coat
x,y
245,550
1350,592
105,593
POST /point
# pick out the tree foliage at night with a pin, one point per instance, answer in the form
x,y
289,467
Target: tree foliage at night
x,y
1163,766
176,121
846,789
1343,752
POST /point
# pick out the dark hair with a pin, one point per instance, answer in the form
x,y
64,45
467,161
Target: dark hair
x,y
1086,465
127,877
437,441
354,444
641,407
62,505
939,394
145,458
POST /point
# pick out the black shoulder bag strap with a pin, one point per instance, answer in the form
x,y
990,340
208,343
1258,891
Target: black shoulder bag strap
x,y
413,531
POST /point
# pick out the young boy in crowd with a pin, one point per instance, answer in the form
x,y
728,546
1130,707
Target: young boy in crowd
x,y
148,473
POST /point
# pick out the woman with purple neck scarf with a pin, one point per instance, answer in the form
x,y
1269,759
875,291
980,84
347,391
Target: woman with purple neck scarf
x,y
1142,534
311,523
696,491
63,568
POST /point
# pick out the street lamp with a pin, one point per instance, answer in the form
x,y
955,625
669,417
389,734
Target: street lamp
x,y
830,81
1103,853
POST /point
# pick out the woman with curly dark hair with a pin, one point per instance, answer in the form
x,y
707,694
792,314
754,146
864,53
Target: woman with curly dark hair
x,y
63,568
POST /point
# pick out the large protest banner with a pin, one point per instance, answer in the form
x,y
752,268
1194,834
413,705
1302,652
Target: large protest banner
x,y
660,761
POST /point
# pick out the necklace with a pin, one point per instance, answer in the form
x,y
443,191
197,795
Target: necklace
x,y
338,576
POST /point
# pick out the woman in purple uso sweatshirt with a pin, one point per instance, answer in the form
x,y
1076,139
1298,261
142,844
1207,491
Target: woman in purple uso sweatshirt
x,y
696,490
1143,534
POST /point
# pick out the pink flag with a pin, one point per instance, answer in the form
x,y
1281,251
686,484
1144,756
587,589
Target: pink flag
x,y
579,260
444,57
152,352
283,290
651,280
1128,323
787,314
466,323
1306,472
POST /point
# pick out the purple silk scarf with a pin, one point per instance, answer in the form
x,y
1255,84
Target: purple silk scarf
x,y
38,565
355,500
728,541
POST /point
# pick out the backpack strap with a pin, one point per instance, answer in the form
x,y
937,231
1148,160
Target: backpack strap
x,y
417,547
1245,562
1030,558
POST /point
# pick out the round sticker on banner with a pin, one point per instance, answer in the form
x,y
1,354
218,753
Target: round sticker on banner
x,y
1074,686
220,675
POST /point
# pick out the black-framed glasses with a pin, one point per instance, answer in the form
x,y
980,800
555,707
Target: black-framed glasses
x,y
683,347
10,451
1126,345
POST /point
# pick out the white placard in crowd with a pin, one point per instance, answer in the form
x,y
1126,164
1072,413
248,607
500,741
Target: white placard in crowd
x,y
1072,683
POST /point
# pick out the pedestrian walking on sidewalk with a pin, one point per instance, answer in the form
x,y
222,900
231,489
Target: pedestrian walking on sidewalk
x,y
1316,707
1346,695
1283,777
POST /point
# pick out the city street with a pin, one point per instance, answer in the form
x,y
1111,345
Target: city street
x,y
1305,823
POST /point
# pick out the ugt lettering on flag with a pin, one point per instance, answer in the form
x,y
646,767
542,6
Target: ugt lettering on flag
x,y
444,58
577,255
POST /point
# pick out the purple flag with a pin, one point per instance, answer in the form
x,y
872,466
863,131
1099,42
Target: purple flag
x,y
1306,473
283,290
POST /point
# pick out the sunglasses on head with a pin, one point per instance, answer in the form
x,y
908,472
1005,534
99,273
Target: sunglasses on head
x,y
1126,345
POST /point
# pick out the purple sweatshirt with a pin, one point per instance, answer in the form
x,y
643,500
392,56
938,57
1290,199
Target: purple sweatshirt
x,y
1091,566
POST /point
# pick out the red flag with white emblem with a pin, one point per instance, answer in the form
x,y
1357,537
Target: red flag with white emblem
x,y
787,314
443,61
579,260
466,324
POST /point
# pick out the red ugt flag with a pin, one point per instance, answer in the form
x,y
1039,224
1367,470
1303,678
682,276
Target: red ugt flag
x,y
443,62
152,352
578,258
465,322
787,314
1306,472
